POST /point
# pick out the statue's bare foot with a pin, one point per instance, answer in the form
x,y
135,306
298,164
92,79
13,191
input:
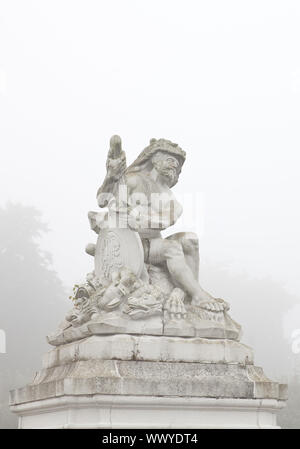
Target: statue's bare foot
x,y
175,305
212,304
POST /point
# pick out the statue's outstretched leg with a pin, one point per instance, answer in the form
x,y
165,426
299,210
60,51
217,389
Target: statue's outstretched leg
x,y
171,251
182,273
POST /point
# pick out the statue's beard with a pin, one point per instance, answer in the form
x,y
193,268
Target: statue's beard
x,y
170,173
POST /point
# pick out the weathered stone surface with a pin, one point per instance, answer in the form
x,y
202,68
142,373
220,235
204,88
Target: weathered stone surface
x,y
130,377
126,244
150,348
191,327
119,323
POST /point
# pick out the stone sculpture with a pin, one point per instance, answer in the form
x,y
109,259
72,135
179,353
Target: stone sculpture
x,y
138,274
144,345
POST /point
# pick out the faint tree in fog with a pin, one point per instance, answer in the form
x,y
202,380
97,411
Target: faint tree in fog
x,y
32,300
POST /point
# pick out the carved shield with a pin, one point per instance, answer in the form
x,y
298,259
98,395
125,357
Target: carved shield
x,y
117,248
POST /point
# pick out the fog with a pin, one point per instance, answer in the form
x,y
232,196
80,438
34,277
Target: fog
x,y
222,79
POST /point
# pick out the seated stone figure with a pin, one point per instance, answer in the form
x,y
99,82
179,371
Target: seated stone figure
x,y
143,283
140,198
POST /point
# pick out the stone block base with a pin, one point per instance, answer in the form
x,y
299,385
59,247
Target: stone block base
x,y
144,412
127,381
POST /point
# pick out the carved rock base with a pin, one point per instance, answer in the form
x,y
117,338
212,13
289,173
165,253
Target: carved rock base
x,y
118,323
149,348
149,381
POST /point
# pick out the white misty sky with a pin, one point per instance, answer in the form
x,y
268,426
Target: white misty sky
x,y
221,78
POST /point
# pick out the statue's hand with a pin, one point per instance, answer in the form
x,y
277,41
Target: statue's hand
x,y
116,167
133,224
174,304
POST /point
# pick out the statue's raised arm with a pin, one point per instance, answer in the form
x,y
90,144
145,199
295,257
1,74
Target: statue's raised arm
x,y
115,168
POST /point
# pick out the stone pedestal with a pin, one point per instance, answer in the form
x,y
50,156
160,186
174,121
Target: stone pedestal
x,y
147,412
126,381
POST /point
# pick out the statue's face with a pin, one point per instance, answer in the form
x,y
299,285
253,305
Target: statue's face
x,y
167,166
